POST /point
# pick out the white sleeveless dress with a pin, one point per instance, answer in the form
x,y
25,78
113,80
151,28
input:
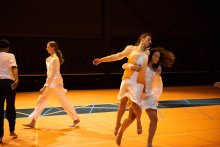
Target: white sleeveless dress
x,y
130,88
153,90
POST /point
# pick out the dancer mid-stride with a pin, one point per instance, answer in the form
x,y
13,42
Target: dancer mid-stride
x,y
53,87
153,90
132,81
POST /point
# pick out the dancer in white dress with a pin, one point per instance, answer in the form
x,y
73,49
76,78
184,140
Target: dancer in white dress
x,y
153,90
132,81
53,87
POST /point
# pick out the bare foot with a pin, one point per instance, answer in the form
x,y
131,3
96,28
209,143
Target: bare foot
x,y
118,139
30,125
139,129
75,122
13,135
117,127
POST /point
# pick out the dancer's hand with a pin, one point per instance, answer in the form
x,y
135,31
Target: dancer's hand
x,y
159,70
144,96
97,61
14,85
136,67
42,90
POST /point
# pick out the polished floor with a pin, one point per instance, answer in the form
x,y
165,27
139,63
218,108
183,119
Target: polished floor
x,y
189,116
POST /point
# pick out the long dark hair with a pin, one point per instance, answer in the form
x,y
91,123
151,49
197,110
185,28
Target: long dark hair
x,y
57,51
142,36
167,58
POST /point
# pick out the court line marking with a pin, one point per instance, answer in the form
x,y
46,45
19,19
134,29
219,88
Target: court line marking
x,y
22,113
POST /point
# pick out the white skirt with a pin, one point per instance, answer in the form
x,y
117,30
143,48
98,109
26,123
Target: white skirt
x,y
148,103
131,90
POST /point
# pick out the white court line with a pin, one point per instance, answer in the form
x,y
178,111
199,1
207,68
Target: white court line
x,y
187,101
53,113
22,113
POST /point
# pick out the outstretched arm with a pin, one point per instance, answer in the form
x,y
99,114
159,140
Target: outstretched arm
x,y
114,57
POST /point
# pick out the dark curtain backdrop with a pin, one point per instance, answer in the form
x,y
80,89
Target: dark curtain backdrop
x,y
87,29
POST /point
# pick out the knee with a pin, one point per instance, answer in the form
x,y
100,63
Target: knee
x,y
124,101
135,106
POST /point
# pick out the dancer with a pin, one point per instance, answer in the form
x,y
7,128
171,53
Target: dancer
x,y
8,84
158,57
53,87
132,81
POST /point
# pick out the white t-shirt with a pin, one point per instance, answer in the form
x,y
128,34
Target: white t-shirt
x,y
7,61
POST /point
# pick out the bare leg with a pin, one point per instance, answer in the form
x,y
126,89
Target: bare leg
x,y
152,114
126,123
137,111
121,111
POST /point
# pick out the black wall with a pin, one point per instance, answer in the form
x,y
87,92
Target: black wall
x,y
87,29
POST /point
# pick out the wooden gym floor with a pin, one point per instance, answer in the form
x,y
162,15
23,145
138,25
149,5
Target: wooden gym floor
x,y
188,117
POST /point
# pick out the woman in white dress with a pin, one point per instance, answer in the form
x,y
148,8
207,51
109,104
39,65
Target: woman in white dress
x,y
153,90
132,81
53,87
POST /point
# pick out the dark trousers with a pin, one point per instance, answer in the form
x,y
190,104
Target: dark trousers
x,y
6,93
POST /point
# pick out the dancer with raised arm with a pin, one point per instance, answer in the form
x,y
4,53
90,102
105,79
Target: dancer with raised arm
x,y
53,87
153,90
132,81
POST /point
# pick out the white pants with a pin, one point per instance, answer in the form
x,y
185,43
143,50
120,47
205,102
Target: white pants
x,y
43,99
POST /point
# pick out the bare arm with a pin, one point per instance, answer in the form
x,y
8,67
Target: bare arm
x,y
15,74
114,57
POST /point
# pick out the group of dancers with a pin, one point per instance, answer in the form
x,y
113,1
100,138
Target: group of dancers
x,y
140,88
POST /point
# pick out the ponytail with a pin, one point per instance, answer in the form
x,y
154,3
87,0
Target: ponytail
x,y
60,56
57,51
